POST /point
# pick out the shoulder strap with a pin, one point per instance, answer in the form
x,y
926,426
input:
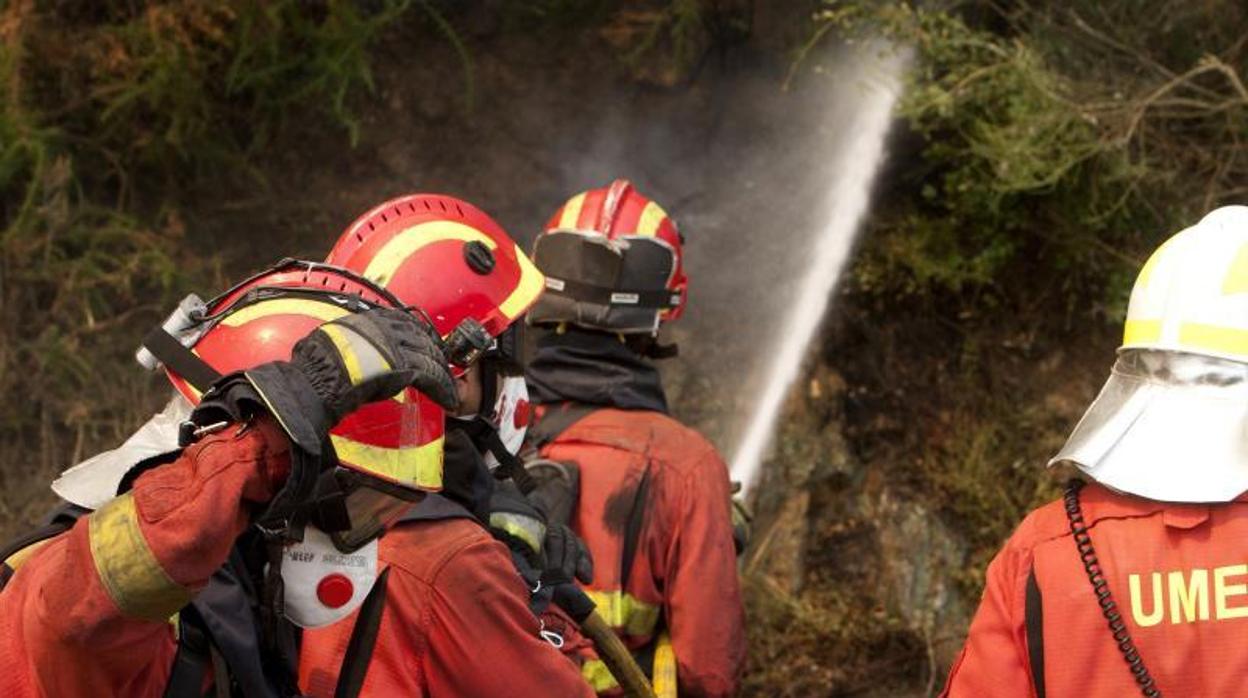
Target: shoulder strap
x,y
435,507
632,529
60,520
1034,619
555,420
363,639
190,664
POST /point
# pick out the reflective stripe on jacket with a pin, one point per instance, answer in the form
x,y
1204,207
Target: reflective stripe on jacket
x,y
683,574
87,613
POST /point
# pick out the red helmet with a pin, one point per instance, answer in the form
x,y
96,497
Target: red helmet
x,y
446,257
613,262
397,440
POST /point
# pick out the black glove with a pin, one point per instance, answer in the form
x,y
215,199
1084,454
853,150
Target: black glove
x,y
341,365
567,558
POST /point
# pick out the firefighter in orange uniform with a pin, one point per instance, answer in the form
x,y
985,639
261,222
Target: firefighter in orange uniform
x,y
186,570
427,610
1137,583
654,504
456,619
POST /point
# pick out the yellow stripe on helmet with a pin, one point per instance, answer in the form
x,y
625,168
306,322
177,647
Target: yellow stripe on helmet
x,y
1196,336
417,466
128,569
625,613
572,212
402,246
531,284
1141,332
1146,272
285,306
1236,280
405,244
652,216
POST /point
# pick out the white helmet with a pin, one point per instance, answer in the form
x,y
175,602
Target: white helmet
x,y
1171,423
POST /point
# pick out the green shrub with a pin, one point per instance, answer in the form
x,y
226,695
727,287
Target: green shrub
x,y
1054,144
109,113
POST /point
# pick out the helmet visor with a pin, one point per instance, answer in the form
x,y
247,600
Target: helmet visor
x,y
1168,426
398,441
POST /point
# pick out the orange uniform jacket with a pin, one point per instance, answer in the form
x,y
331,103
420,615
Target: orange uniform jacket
x,y
1179,574
456,623
684,573
87,613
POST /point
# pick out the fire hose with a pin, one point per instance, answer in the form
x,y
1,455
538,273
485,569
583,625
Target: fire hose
x,y
611,650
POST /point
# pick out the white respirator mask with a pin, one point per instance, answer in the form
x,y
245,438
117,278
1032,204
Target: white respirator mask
x,y
322,584
511,416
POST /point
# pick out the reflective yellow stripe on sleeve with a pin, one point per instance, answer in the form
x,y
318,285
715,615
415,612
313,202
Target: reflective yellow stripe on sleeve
x,y
127,568
526,528
598,676
625,613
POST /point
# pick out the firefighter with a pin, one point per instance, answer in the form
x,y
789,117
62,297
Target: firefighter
x,y
361,586
1137,583
456,618
183,574
654,496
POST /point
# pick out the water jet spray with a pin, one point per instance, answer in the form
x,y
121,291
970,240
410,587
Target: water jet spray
x,y
848,199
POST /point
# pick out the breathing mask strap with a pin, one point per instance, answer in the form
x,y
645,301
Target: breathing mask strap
x,y
489,385
509,466
282,523
486,439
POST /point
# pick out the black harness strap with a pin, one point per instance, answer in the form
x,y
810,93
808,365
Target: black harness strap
x,y
59,521
559,419
556,420
1033,614
363,639
179,359
632,529
186,678
25,541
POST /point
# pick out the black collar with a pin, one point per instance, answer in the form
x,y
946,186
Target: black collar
x,y
593,368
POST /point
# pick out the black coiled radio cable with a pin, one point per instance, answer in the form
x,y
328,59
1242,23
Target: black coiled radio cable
x,y
1105,599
